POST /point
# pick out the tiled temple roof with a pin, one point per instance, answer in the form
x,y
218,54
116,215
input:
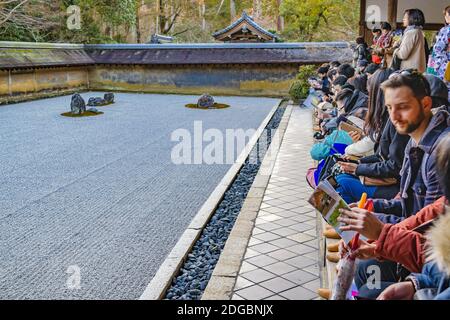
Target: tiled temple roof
x,y
29,55
247,19
32,55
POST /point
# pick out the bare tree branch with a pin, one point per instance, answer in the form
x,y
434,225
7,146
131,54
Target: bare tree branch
x,y
345,21
181,32
220,7
167,22
7,2
11,12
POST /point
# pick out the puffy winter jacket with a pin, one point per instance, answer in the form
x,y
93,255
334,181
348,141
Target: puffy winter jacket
x,y
402,244
361,148
436,273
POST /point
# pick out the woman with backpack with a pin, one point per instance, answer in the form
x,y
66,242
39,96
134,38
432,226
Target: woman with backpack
x,y
361,52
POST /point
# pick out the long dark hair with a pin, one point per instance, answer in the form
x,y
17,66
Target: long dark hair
x,y
377,115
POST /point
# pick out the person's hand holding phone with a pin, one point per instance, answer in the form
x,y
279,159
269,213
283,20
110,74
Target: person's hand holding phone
x,y
349,158
348,167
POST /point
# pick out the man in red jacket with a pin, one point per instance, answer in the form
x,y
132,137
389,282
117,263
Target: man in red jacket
x,y
403,243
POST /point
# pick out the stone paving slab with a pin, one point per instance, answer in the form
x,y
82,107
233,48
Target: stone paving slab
x,y
238,239
282,257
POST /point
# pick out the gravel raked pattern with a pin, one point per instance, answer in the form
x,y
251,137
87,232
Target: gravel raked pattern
x,y
100,193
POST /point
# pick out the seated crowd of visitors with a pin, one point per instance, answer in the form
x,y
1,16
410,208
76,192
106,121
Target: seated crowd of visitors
x,y
384,129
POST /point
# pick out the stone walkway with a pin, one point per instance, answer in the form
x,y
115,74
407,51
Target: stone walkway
x,y
282,258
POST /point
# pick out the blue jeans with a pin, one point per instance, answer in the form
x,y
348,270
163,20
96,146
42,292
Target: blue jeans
x,y
351,189
387,272
372,294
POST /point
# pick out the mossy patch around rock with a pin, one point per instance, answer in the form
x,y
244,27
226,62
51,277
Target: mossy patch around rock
x,y
84,114
216,106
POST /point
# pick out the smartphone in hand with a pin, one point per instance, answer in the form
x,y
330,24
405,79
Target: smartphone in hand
x,y
347,160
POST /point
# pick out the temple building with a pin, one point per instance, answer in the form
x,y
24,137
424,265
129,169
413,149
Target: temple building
x,y
245,29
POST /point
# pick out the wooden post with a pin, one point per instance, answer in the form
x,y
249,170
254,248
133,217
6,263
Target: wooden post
x,y
364,31
362,18
392,13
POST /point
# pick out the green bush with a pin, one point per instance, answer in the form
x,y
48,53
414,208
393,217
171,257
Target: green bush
x,y
297,91
306,71
300,87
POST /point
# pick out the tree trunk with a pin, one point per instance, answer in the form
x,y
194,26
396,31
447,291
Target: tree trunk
x,y
168,16
202,12
169,7
280,19
138,22
232,10
203,16
257,9
160,19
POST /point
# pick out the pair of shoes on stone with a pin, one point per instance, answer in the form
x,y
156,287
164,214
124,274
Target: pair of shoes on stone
x,y
331,234
333,257
324,293
334,247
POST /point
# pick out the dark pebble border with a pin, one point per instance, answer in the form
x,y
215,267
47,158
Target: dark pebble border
x,y
193,277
